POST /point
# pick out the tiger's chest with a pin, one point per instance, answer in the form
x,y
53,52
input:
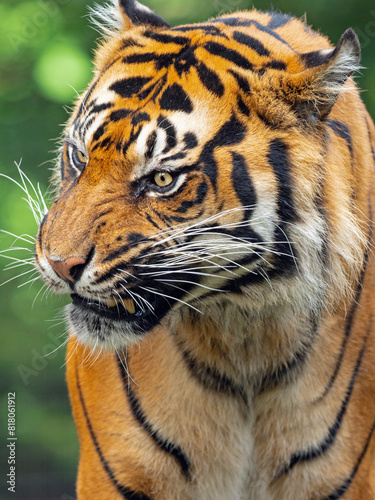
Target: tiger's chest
x,y
183,430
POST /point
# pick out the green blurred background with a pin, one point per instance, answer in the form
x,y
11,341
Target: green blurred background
x,y
45,53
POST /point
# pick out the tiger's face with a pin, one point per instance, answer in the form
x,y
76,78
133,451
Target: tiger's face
x,y
190,180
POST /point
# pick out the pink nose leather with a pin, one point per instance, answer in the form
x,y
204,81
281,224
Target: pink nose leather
x,y
63,267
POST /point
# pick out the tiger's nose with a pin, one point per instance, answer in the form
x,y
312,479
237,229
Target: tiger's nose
x,y
69,269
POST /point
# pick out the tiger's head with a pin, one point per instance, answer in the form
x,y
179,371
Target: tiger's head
x,y
196,178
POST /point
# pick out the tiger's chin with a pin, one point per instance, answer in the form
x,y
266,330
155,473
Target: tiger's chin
x,y
113,326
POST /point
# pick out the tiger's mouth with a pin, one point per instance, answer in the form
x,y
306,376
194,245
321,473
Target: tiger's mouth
x,y
120,310
116,322
126,310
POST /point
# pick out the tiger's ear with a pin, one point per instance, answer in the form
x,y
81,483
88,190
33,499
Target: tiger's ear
x,y
135,13
317,88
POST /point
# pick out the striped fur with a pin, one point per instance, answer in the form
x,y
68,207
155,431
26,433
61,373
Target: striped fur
x,y
213,225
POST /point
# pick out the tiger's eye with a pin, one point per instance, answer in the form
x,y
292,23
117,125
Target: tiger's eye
x,y
163,179
79,158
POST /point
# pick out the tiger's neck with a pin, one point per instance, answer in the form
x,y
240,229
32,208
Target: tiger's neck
x,y
250,353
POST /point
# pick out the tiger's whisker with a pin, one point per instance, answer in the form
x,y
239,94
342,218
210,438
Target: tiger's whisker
x,y
191,283
27,238
16,277
30,281
170,297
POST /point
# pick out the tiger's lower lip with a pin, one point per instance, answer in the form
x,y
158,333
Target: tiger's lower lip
x,y
115,310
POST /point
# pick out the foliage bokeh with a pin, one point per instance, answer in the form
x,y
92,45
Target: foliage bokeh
x,y
45,58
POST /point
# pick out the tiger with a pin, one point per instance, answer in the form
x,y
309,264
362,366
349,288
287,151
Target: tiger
x,y
213,226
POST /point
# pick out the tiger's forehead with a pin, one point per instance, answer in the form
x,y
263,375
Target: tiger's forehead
x,y
142,91
147,115
137,64
179,76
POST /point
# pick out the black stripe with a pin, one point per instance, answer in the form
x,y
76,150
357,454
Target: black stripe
x,y
175,157
133,137
112,272
190,140
242,82
113,255
233,21
101,107
40,231
336,495
217,49
286,254
164,38
349,321
154,88
251,42
201,194
237,22
119,114
210,79
242,184
125,492
317,451
283,372
105,143
176,218
129,42
266,120
207,28
140,58
151,221
151,143
163,217
251,278
91,104
292,367
85,125
92,113
128,87
279,65
83,106
134,239
243,107
160,60
278,19
285,251
175,451
170,130
232,132
140,117
315,58
279,161
99,132
115,270
125,248
211,378
175,98
343,131
183,61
